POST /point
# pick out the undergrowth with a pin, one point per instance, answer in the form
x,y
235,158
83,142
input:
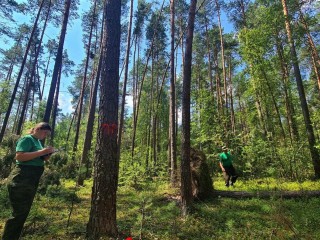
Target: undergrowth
x,y
152,212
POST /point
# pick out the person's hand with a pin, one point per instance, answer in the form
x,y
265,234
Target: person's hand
x,y
47,152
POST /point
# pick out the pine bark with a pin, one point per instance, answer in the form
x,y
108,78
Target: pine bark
x,y
102,221
186,189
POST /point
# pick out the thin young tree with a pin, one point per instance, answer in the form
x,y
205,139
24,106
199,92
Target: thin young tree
x,y
90,123
124,90
91,115
172,114
84,80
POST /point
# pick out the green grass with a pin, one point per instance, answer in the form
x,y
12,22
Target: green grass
x,y
153,213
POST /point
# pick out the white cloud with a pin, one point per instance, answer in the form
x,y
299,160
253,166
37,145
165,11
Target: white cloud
x,y
129,101
64,102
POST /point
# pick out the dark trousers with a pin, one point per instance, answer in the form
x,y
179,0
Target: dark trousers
x,y
24,181
230,175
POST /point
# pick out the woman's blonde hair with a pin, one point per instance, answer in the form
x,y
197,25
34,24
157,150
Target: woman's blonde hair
x,y
41,126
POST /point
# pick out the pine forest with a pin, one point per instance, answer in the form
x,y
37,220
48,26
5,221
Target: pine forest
x,y
144,98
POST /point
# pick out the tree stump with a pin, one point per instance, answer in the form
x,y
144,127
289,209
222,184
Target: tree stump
x,y
201,181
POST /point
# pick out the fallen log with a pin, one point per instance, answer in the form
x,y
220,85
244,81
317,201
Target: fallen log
x,y
267,194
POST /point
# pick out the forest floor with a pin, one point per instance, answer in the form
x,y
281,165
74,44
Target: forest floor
x,y
151,211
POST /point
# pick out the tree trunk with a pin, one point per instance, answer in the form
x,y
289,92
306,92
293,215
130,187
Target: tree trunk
x,y
45,76
274,103
292,126
222,63
90,124
102,221
134,94
186,189
232,114
55,108
91,117
303,101
25,101
124,90
172,113
58,62
83,85
312,47
209,57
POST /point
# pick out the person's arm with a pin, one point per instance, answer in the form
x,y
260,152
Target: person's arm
x,y
26,156
222,168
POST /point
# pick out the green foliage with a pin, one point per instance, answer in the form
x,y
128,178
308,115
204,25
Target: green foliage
x,y
7,155
62,194
4,199
132,175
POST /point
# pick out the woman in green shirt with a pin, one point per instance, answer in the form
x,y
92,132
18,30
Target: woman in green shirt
x,y
24,178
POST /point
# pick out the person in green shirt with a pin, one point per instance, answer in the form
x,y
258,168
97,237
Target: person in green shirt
x,y
225,162
24,178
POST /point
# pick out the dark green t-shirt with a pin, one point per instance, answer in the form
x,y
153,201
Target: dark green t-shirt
x,y
29,143
225,159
